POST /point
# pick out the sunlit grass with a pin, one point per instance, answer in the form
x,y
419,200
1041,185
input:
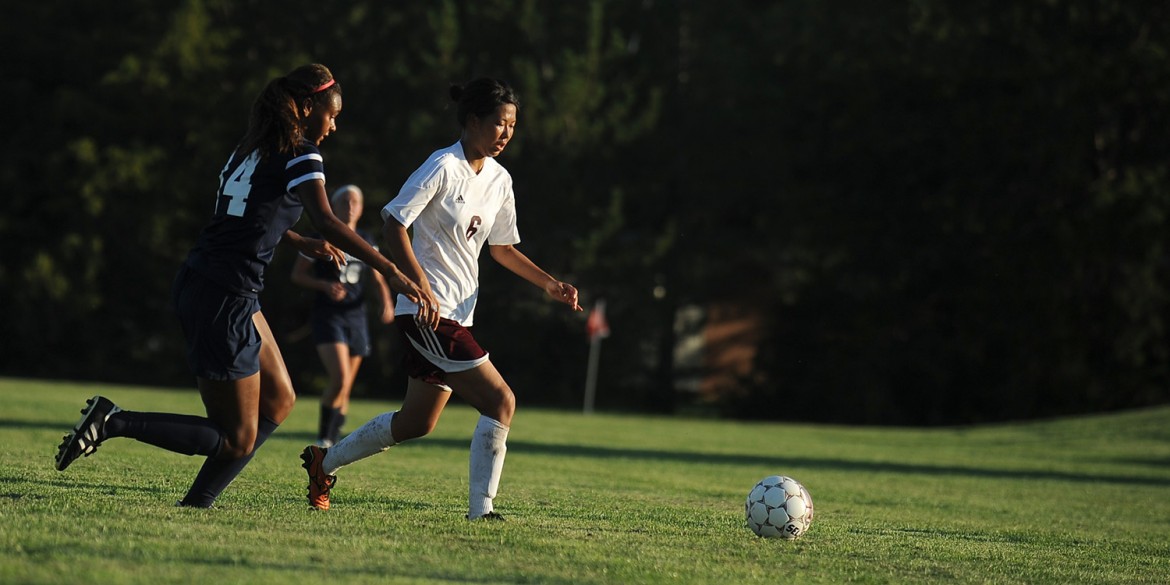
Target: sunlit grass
x,y
598,499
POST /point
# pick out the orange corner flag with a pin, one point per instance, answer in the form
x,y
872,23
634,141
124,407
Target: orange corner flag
x,y
596,327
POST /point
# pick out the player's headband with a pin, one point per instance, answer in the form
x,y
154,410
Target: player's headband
x,y
324,86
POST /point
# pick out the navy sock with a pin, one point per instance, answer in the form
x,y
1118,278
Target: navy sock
x,y
216,474
181,433
335,430
325,422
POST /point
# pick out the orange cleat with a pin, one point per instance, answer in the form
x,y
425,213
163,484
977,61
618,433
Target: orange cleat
x,y
319,482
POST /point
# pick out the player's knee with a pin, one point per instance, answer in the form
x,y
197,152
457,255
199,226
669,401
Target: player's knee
x,y
238,446
279,406
234,451
503,405
407,429
507,402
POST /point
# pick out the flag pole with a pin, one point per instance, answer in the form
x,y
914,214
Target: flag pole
x,y
597,328
591,374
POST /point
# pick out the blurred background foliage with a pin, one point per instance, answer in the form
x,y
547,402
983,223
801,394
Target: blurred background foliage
x,y
941,211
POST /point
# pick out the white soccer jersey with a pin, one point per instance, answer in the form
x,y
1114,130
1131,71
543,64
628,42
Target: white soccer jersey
x,y
454,212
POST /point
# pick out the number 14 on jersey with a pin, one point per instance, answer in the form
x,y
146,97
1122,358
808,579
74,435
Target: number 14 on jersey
x,y
237,187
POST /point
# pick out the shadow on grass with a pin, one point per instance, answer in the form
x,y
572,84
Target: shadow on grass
x,y
37,425
659,455
595,452
13,486
1151,462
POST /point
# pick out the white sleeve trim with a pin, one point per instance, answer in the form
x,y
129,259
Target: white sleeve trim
x,y
305,178
303,158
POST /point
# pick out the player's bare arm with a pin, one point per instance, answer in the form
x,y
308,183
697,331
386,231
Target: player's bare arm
x,y
515,260
384,297
316,201
315,248
398,245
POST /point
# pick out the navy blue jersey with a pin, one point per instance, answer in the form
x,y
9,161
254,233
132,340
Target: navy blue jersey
x,y
349,276
255,206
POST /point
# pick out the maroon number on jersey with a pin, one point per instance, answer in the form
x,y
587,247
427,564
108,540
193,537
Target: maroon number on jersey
x,y
475,221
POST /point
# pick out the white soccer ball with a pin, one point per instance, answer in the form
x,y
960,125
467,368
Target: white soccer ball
x,y
779,507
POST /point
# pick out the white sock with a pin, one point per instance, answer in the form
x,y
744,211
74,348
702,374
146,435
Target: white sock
x,y
487,463
369,439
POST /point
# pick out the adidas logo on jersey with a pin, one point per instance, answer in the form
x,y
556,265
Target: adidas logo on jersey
x,y
459,198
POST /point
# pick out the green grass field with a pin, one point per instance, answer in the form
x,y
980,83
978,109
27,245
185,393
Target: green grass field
x,y
598,499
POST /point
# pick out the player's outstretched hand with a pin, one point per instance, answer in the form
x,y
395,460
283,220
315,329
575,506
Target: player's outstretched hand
x,y
428,305
321,249
563,292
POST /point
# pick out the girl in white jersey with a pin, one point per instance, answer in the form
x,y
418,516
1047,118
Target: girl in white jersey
x,y
459,200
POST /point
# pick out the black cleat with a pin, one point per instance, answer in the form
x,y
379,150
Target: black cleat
x,y
89,432
492,516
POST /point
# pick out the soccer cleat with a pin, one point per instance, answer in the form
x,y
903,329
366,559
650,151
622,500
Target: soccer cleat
x,y
89,432
319,482
182,504
185,504
490,516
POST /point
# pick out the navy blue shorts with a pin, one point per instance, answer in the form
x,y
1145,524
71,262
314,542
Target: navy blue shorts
x,y
348,326
222,341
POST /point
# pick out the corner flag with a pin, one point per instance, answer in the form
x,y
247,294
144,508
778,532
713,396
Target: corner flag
x,y
596,327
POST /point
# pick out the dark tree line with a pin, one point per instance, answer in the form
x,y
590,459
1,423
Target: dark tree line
x,y
945,211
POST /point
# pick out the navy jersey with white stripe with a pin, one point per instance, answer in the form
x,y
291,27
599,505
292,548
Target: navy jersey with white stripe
x,y
350,276
255,206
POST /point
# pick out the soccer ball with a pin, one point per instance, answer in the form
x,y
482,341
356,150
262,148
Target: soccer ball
x,y
779,507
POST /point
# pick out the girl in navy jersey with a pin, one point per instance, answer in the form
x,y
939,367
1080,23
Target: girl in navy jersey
x,y
340,326
459,200
271,177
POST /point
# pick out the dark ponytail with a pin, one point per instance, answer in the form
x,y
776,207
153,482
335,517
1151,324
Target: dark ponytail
x,y
275,123
482,97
